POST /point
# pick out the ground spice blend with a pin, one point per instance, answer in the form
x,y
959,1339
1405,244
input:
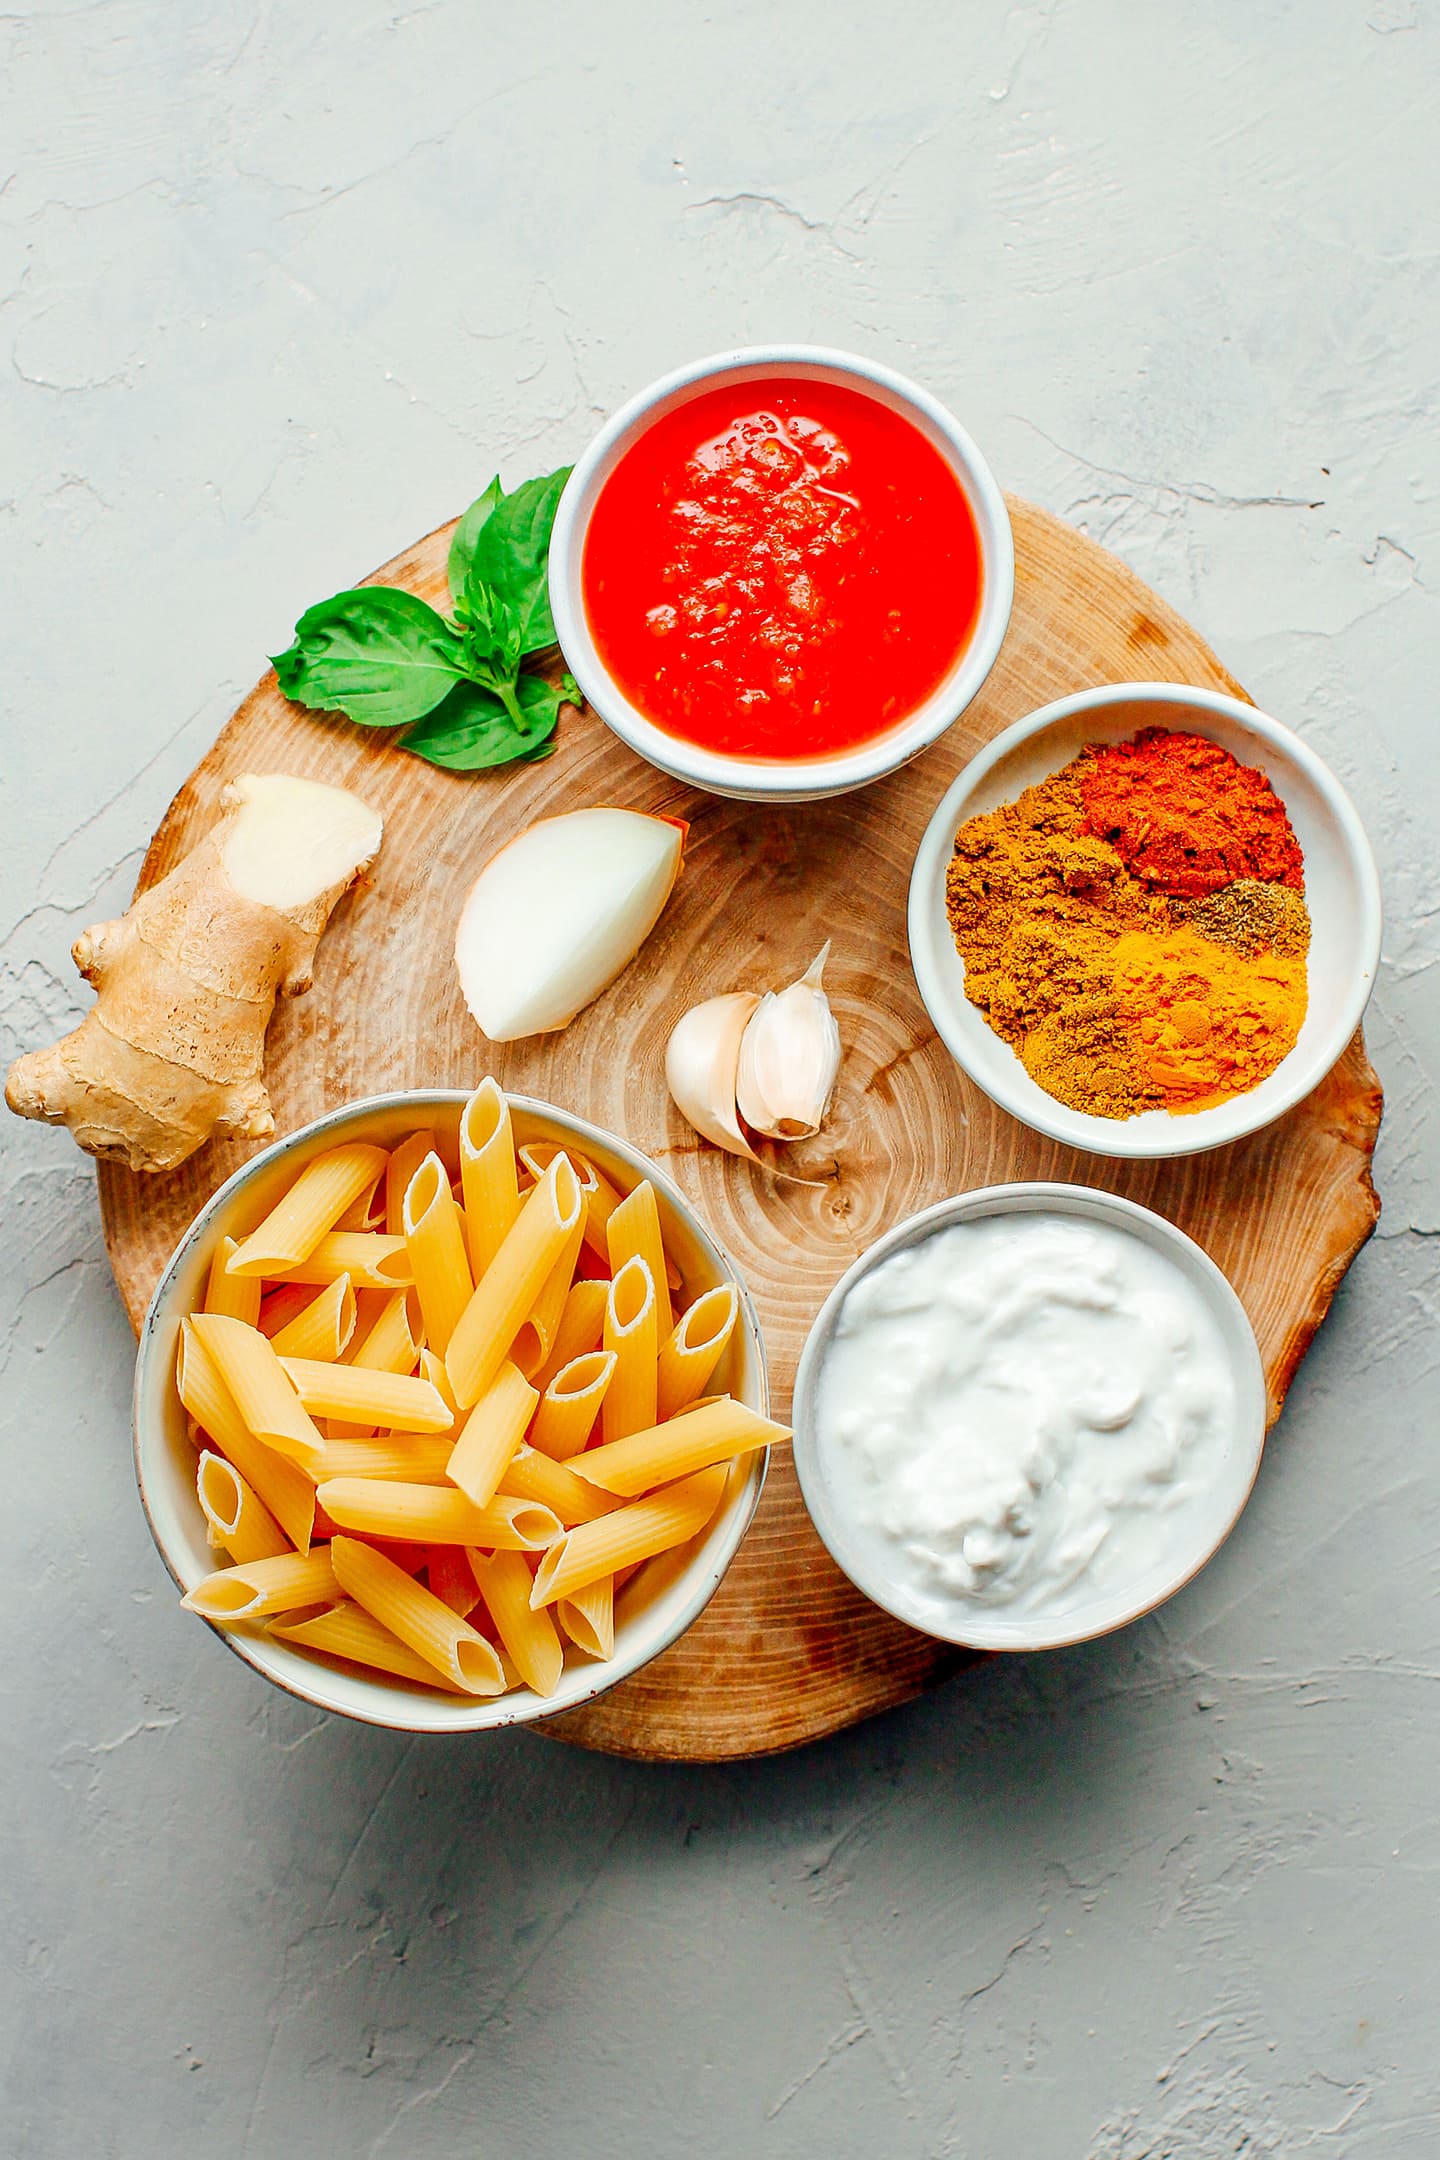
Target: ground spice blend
x,y
1135,926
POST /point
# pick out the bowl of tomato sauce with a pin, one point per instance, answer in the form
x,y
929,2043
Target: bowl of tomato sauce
x,y
780,573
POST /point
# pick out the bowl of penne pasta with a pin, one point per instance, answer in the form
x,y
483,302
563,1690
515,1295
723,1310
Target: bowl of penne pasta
x,y
449,1411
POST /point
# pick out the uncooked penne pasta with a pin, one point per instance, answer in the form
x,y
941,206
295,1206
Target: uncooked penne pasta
x,y
588,1618
347,1631
582,1325
594,1549
371,1261
510,1285
432,1368
536,1338
456,1650
487,1174
260,1587
435,1515
699,1340
236,1295
404,1161
315,1202
264,1392
504,1583
449,1574
324,1327
367,1210
490,1435
393,1341
533,1476
396,1401
437,1251
282,1485
238,1518
572,1402
633,1229
412,1458
631,1336
697,1439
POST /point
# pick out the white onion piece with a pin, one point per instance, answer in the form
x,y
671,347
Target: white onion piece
x,y
553,918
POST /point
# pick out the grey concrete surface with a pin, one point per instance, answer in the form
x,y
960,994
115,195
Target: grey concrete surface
x,y
278,286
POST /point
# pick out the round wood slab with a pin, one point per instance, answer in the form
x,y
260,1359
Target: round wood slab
x,y
787,1650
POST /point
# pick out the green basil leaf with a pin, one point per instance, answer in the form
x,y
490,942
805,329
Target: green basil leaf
x,y
462,546
511,555
380,656
472,729
492,632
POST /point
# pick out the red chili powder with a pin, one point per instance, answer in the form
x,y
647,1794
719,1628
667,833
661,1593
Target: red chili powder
x,y
1186,817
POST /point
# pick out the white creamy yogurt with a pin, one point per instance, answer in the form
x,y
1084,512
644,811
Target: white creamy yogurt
x,y
1019,1413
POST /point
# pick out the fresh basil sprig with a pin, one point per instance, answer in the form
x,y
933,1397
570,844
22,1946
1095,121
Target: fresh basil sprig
x,y
458,685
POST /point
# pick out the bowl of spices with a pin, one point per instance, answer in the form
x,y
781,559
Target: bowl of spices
x,y
1028,1415
779,573
1145,919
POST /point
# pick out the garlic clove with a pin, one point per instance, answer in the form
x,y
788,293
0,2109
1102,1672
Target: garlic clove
x,y
701,1060
790,1058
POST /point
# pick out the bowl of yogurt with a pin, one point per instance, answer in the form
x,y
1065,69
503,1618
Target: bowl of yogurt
x,y
1028,1415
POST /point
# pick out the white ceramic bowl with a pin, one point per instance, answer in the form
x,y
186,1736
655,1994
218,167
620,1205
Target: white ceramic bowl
x,y
165,1458
1207,1525
766,779
1342,892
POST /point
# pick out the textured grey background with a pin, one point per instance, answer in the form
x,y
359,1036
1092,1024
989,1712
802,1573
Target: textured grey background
x,y
280,284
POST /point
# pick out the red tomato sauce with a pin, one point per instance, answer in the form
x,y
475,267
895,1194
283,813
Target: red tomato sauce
x,y
781,569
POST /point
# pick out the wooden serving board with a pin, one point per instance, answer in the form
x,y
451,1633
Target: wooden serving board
x,y
787,1650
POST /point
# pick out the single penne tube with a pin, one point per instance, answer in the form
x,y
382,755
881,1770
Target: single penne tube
x,y
236,1295
652,1525
239,1521
435,1515
404,1161
633,1229
582,1324
438,1255
512,1282
490,1435
572,1402
536,1338
371,1261
457,1651
395,1401
533,1476
432,1368
312,1206
324,1327
260,1587
347,1631
487,1174
695,1440
588,1618
264,1393
285,1488
412,1458
504,1583
449,1574
694,1348
631,1336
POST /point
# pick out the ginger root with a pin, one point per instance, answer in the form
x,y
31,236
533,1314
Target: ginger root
x,y
173,1050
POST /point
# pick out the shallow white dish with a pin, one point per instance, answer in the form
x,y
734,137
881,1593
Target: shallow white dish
x,y
1342,892
1207,1526
766,779
165,1458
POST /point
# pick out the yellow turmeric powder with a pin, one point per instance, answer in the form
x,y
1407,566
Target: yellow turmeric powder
x,y
1113,1005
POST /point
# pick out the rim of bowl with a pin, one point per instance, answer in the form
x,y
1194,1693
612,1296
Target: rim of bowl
x,y
1237,1334
521,1706
764,779
1191,1134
